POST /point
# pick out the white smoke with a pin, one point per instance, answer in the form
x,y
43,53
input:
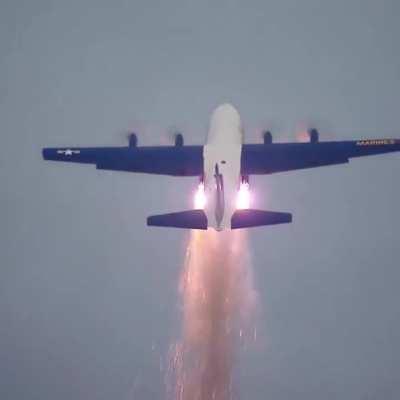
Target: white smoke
x,y
218,312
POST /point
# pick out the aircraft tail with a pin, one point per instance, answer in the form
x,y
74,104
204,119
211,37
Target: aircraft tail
x,y
192,219
251,218
196,219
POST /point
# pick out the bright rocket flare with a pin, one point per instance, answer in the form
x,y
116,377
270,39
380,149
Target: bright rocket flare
x,y
243,197
200,197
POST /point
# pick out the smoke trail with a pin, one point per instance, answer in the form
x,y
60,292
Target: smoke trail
x,y
218,304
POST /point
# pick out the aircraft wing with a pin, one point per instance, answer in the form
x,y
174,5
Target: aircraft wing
x,y
279,157
162,160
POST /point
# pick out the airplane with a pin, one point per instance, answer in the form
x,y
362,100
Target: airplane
x,y
223,166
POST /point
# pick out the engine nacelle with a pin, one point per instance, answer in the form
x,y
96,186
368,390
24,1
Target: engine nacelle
x,y
179,140
267,137
133,140
314,135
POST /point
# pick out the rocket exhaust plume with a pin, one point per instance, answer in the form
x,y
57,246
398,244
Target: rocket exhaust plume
x,y
218,308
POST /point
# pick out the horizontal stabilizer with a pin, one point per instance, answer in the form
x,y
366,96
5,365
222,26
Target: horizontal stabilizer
x,y
252,218
192,219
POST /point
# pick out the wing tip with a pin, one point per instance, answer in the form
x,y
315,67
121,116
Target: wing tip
x,y
45,153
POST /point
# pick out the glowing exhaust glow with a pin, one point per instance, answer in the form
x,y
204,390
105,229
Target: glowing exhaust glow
x,y
200,197
243,197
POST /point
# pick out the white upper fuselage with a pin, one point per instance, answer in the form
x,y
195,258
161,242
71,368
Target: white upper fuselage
x,y
221,155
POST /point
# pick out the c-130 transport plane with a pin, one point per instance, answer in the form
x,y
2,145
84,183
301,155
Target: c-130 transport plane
x,y
223,165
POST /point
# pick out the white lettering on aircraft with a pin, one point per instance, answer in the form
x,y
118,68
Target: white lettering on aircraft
x,y
377,142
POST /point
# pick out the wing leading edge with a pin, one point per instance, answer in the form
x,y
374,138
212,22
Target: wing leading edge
x,y
279,157
256,159
163,160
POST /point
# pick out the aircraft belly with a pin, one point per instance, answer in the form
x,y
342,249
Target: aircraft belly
x,y
221,182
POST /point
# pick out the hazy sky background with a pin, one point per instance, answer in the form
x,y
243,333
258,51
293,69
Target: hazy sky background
x,y
88,293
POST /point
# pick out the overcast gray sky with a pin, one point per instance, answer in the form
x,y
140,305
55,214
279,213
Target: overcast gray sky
x,y
88,293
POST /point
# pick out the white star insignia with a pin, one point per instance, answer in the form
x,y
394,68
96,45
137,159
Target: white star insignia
x,y
68,152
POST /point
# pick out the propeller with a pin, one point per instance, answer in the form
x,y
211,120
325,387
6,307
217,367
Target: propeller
x,y
179,139
263,130
307,131
314,135
132,139
267,137
175,136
